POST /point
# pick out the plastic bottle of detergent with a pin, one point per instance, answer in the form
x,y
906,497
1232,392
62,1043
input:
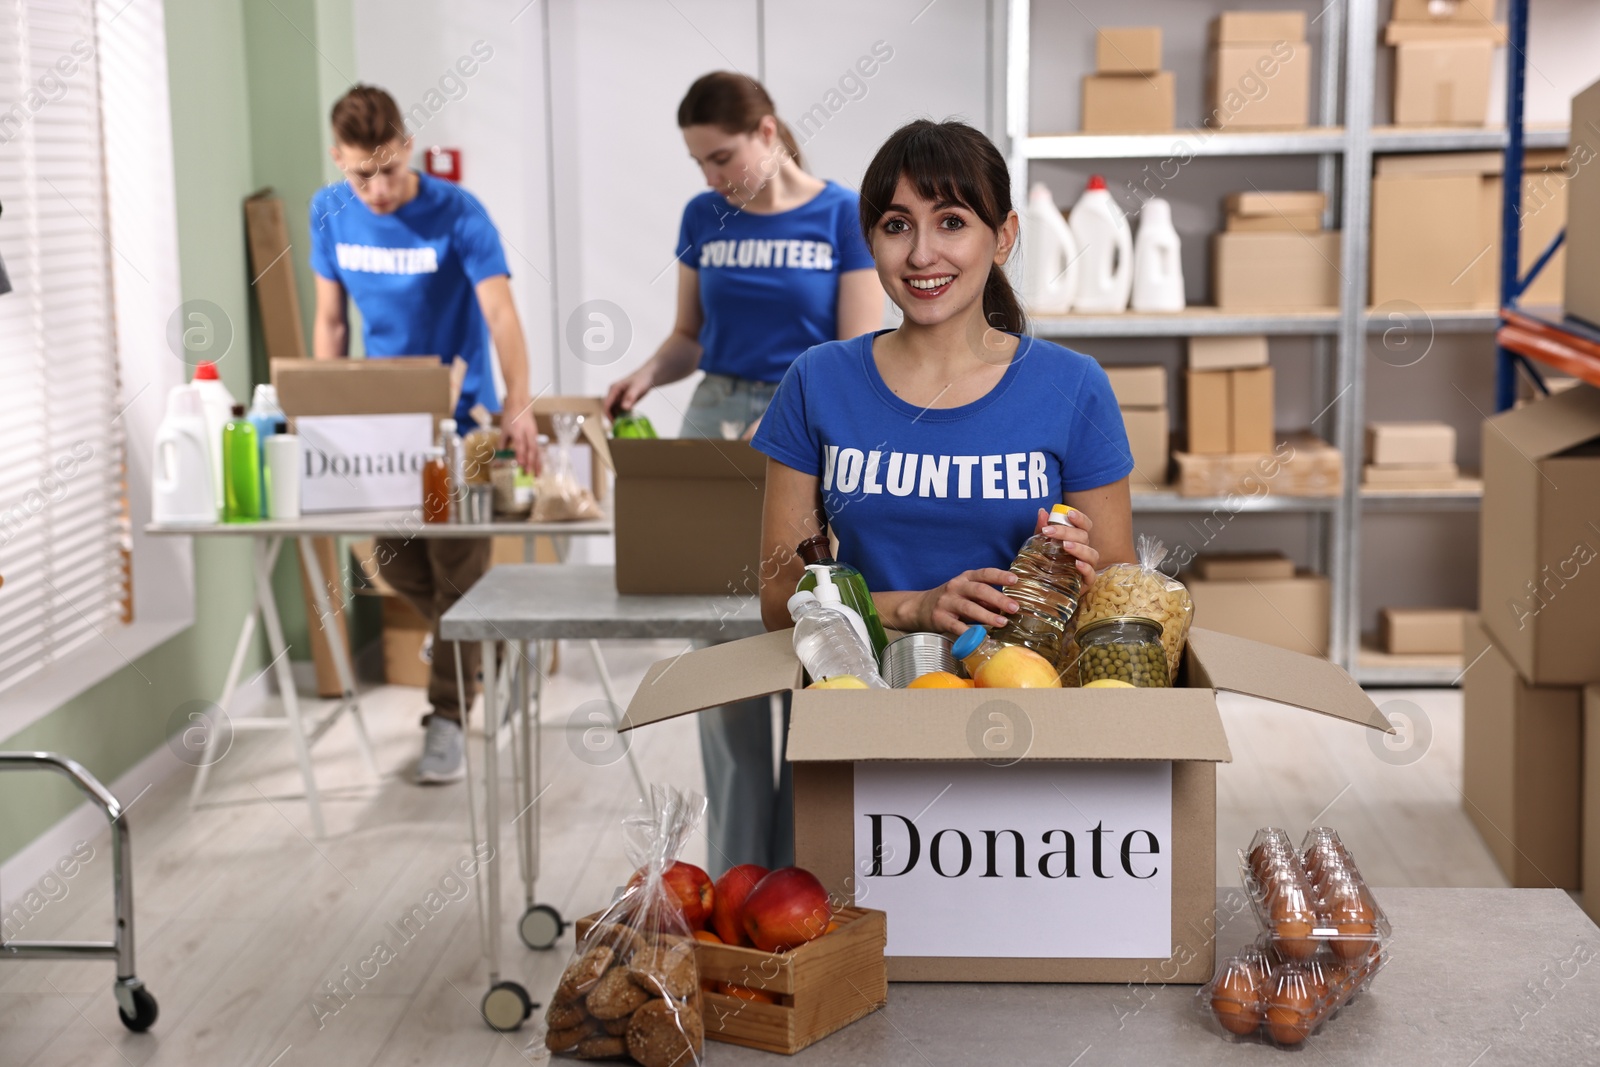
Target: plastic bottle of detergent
x,y
1157,268
1105,266
1049,256
181,489
218,403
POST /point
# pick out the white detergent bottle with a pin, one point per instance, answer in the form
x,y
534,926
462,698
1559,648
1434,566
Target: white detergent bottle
x,y
218,404
181,492
1105,266
1157,268
1049,256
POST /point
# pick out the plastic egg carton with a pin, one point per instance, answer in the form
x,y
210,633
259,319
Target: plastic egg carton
x,y
1263,995
1311,898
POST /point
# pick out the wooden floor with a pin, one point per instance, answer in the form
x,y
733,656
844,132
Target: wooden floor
x,y
242,918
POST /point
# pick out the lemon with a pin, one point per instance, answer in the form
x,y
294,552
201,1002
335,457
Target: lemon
x,y
842,681
1109,683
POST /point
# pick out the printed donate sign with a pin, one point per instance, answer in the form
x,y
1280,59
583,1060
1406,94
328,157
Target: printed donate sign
x,y
1035,859
362,462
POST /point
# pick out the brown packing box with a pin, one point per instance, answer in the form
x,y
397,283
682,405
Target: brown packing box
x,y
1143,386
689,515
1291,613
391,385
1443,11
1581,290
1590,819
1403,32
1521,766
272,267
1258,27
1273,224
1250,410
1301,465
1436,229
1425,476
1149,431
1225,353
1238,566
1257,204
404,633
1207,412
1421,631
1410,444
1128,103
1260,86
1539,546
1276,271
1127,50
1442,82
1011,752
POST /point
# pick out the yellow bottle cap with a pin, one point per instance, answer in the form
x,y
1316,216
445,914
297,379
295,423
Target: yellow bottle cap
x,y
1059,512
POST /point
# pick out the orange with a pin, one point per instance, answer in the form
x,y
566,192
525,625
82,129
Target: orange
x,y
707,935
939,680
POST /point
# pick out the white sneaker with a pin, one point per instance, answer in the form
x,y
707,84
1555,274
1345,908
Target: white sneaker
x,y
441,752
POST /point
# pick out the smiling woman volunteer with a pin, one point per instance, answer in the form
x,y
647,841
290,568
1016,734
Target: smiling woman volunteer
x,y
770,262
933,450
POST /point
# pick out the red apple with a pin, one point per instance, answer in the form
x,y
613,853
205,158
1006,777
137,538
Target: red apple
x,y
787,908
731,890
689,887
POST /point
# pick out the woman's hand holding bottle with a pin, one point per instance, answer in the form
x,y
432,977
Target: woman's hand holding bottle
x,y
1074,536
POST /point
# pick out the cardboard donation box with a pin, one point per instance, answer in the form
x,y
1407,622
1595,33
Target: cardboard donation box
x,y
1260,71
1521,766
1539,566
689,515
1582,283
1014,835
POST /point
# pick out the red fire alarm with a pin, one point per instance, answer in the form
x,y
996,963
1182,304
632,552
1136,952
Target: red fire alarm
x,y
443,163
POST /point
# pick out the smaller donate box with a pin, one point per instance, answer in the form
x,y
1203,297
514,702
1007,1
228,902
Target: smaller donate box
x,y
362,462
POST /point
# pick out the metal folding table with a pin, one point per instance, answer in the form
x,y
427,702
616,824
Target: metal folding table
x,y
267,540
517,605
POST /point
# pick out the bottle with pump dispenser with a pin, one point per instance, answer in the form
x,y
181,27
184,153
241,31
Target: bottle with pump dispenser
x,y
830,639
1157,266
852,587
1049,256
1105,270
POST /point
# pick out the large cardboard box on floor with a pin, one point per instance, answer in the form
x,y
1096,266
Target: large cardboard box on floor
x,y
1014,835
1275,271
689,514
1582,283
1521,766
1291,613
1539,546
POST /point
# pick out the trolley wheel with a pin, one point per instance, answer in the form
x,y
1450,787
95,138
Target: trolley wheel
x,y
506,1006
145,1011
540,926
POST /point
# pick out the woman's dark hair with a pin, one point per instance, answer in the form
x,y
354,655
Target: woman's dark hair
x,y
948,161
734,103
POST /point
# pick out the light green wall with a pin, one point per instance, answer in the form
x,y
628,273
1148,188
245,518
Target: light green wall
x,y
239,115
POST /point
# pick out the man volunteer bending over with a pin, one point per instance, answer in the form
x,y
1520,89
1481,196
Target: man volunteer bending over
x,y
424,265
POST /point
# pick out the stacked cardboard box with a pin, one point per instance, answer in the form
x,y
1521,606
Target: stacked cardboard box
x,y
1436,229
1141,394
1259,596
1410,455
1443,54
1273,254
1538,582
1421,631
1129,92
1301,465
1582,284
1260,71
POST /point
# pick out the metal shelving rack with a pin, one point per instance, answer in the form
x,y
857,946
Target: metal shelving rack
x,y
1343,143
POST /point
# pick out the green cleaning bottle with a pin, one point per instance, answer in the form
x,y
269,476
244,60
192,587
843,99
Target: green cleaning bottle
x,y
816,552
241,469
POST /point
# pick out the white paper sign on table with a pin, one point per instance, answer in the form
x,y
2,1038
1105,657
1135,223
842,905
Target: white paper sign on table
x,y
1036,859
362,462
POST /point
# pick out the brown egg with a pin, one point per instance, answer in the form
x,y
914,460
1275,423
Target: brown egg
x,y
1293,920
1318,981
1350,911
1291,1008
1259,964
1236,998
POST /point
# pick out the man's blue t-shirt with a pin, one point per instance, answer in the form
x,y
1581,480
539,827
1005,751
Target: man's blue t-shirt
x,y
916,496
412,275
769,284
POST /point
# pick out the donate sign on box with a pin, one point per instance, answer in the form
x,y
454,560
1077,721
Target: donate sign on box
x,y
362,462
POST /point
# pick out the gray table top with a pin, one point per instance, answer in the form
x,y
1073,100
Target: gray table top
x,y
542,601
401,523
1477,977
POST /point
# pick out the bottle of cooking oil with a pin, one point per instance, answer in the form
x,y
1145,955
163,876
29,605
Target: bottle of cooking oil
x,y
1046,591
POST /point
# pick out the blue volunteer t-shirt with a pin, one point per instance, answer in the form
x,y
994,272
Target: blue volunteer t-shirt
x,y
412,275
769,284
916,496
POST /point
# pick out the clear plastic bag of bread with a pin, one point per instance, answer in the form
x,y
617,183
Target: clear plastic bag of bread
x,y
632,989
1142,589
560,498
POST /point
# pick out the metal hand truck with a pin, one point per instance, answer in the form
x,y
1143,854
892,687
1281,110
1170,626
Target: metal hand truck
x,y
135,1005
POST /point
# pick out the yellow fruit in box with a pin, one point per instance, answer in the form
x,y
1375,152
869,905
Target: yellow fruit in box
x,y
939,680
1110,683
839,681
1015,667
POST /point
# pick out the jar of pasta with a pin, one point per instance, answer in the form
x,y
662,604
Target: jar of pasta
x,y
1123,648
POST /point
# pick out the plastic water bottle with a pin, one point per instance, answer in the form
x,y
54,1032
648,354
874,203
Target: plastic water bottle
x,y
1049,256
822,567
827,642
455,467
1157,268
1105,272
1046,591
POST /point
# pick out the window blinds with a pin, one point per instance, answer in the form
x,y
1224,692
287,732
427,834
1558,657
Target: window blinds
x,y
64,544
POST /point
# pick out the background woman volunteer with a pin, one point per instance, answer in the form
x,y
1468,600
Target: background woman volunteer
x,y
934,450
771,262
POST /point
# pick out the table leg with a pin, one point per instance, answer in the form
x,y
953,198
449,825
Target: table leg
x,y
491,805
532,774
280,660
611,698
341,654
